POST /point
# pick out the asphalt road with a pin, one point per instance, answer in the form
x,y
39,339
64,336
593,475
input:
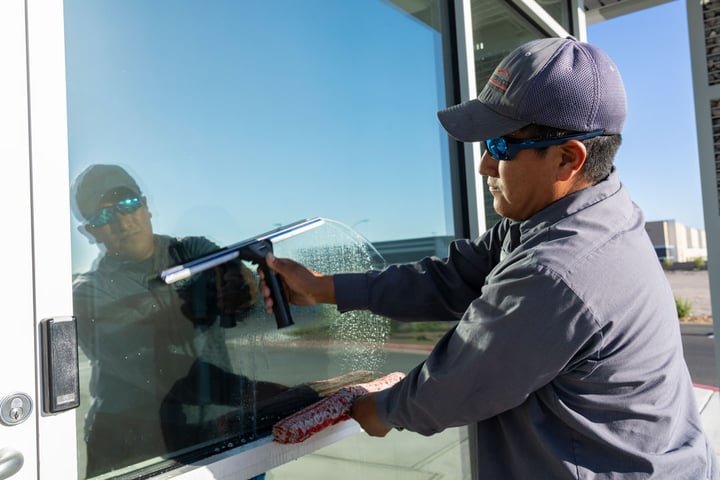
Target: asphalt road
x,y
699,349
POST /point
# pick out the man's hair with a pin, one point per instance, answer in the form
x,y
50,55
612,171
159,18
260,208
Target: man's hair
x,y
601,150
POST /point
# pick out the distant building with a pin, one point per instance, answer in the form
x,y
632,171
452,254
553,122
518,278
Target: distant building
x,y
677,242
413,249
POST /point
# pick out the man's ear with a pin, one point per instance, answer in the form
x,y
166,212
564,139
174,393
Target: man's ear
x,y
572,158
144,201
88,232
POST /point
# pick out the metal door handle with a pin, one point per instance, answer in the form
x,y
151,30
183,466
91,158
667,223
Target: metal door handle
x,y
11,461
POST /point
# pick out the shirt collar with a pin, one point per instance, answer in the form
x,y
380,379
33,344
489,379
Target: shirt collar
x,y
573,203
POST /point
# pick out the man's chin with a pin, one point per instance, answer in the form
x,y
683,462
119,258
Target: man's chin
x,y
128,253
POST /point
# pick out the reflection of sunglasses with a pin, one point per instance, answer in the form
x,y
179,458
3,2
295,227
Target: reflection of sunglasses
x,y
107,214
502,148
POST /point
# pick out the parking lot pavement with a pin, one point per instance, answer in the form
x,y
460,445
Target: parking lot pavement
x,y
692,285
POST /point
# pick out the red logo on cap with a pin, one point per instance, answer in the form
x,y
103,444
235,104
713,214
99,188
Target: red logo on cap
x,y
500,79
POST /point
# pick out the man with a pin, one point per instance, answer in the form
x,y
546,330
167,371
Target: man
x,y
567,356
162,379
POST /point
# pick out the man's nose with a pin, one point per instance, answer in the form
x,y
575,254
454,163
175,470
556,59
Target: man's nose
x,y
122,220
488,165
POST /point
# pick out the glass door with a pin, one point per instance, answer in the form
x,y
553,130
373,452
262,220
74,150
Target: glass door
x,y
179,127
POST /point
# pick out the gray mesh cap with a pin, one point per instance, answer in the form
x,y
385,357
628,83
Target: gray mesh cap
x,y
555,82
95,182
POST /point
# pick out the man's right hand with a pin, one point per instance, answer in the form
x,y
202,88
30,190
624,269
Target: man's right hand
x,y
302,286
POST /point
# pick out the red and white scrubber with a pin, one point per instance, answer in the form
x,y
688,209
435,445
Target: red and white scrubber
x,y
328,411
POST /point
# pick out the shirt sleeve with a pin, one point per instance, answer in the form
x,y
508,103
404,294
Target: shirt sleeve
x,y
431,289
514,338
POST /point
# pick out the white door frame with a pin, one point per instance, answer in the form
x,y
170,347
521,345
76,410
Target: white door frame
x,y
17,356
51,254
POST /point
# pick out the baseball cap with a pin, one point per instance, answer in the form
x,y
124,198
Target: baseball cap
x,y
555,82
97,181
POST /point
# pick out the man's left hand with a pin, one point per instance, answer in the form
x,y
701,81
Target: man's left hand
x,y
364,411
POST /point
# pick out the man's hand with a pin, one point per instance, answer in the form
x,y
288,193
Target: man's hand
x,y
302,285
363,410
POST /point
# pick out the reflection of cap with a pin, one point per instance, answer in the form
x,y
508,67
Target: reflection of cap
x,y
97,181
555,82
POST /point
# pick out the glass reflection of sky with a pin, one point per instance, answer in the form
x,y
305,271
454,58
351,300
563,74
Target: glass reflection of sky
x,y
238,116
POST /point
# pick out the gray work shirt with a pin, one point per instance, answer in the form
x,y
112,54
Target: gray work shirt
x,y
567,356
136,330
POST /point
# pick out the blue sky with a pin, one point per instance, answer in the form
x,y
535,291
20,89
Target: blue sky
x,y
658,160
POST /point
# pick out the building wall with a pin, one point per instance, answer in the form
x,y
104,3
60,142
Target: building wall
x,y
677,242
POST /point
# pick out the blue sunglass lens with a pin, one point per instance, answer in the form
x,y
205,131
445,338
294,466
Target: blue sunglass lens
x,y
103,217
128,205
498,148
106,215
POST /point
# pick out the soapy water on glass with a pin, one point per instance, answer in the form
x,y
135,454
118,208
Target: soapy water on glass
x,y
357,338
352,341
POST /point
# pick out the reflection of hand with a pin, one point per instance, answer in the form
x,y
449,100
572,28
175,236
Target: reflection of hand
x,y
237,288
302,285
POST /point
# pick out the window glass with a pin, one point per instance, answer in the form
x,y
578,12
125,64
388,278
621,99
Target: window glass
x,y
560,11
498,29
196,125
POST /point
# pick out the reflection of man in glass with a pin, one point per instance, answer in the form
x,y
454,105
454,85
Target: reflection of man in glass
x,y
161,375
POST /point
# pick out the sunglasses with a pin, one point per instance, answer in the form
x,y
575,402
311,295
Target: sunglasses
x,y
502,148
107,215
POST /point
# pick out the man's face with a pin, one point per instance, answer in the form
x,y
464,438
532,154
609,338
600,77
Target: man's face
x,y
524,185
129,234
